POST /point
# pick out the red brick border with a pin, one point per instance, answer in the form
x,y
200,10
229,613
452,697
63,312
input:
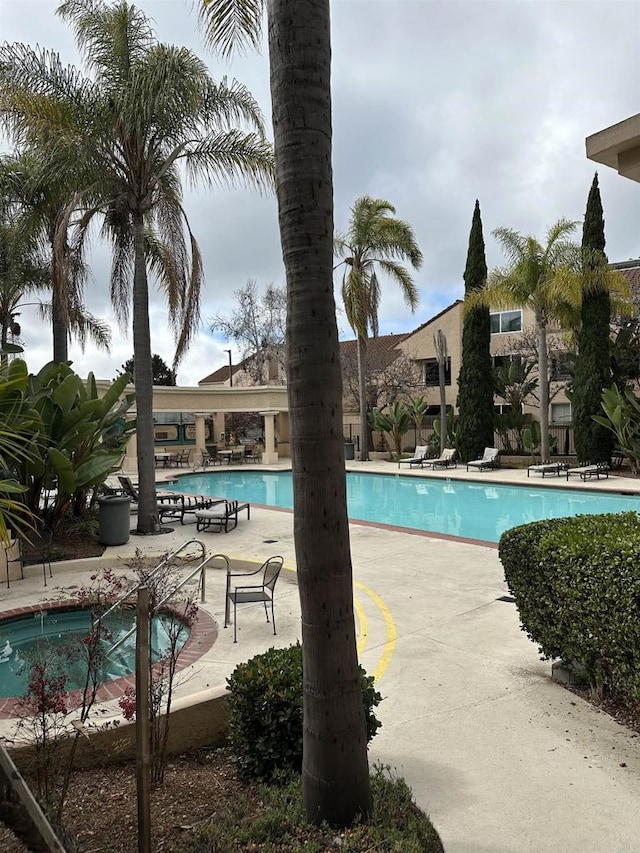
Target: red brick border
x,y
201,638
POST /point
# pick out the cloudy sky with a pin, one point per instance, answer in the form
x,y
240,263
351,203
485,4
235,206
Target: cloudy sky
x,y
436,103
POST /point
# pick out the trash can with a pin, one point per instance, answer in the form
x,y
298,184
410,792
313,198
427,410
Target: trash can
x,y
349,450
113,519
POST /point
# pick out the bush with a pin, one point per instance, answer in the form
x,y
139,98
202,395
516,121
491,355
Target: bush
x,y
265,729
576,582
396,824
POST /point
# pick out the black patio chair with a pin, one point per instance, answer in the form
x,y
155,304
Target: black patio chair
x,y
263,591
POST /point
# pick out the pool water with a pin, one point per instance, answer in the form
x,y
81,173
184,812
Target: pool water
x,y
55,636
452,507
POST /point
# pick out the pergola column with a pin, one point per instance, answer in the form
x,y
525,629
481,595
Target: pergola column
x,y
218,426
270,454
130,461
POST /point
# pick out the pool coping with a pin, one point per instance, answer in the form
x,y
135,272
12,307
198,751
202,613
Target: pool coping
x,y
202,636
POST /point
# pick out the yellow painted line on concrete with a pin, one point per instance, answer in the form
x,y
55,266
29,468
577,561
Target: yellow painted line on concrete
x,y
363,625
392,635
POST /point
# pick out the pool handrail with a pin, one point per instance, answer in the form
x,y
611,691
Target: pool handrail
x,y
160,565
201,569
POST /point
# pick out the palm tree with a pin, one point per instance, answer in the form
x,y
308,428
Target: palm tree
x,y
375,239
335,774
147,109
442,353
549,279
41,195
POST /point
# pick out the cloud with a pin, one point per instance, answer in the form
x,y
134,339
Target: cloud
x,y
435,104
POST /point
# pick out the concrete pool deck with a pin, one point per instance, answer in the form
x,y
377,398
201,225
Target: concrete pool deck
x,y
502,758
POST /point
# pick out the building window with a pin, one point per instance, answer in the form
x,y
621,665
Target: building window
x,y
506,321
561,367
561,413
431,372
501,360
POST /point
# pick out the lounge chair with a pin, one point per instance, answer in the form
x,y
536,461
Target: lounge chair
x,y
586,471
447,459
419,456
545,468
261,591
489,459
223,515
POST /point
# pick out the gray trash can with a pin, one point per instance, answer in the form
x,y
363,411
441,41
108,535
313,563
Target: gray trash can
x,y
113,519
349,450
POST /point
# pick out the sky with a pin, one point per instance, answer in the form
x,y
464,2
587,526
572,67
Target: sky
x,y
436,103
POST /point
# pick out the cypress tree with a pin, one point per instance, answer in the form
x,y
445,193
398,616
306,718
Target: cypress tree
x,y
475,382
593,362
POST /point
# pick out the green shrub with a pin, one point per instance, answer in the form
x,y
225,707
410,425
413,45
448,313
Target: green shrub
x,y
576,582
265,729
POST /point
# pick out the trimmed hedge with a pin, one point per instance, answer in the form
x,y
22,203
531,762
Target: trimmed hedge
x,y
576,582
265,727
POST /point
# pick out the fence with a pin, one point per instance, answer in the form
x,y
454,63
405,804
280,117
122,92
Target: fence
x,y
509,442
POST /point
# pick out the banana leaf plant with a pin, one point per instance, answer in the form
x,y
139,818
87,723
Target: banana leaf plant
x,y
17,423
395,421
80,439
532,440
622,417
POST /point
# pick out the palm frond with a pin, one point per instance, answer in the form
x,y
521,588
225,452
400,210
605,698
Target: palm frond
x,y
231,24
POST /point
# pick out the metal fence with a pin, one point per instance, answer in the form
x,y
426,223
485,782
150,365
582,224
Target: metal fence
x,y
563,434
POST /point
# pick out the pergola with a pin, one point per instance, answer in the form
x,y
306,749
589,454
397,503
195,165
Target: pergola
x,y
618,146
204,402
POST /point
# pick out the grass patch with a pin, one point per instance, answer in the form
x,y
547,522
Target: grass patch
x,y
271,819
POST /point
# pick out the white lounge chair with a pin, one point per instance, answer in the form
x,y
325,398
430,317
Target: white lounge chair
x,y
545,468
447,459
585,472
419,456
489,459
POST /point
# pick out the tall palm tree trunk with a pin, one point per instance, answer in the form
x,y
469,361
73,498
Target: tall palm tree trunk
x,y
362,391
59,324
143,380
543,372
335,773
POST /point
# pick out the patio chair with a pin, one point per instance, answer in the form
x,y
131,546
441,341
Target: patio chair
x,y
252,593
222,515
447,459
489,459
587,470
419,456
210,457
14,554
237,455
545,468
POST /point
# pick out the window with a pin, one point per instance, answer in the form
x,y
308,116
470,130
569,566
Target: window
x,y
506,321
561,413
431,374
500,360
561,367
503,408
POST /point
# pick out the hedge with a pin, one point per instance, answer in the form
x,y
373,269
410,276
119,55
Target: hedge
x,y
265,700
576,582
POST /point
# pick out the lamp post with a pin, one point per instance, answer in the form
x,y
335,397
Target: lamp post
x,y
230,369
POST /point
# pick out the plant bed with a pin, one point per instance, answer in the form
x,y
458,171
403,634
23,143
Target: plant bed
x,y
204,806
64,546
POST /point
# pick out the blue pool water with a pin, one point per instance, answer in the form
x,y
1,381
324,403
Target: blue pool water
x,y
56,636
471,510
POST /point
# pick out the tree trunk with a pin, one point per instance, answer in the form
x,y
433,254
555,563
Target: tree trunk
x,y
143,380
543,374
443,405
335,773
59,323
362,392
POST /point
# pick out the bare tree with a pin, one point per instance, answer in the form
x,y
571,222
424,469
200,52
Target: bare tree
x,y
258,327
442,352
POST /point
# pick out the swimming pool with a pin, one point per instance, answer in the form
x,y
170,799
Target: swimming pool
x,y
56,637
450,507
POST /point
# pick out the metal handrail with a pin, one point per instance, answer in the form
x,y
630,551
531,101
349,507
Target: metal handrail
x,y
160,565
201,569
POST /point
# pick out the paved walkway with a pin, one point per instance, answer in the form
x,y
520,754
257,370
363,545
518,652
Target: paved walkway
x,y
503,759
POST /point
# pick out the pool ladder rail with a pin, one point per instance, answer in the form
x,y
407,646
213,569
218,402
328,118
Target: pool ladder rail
x,y
200,569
